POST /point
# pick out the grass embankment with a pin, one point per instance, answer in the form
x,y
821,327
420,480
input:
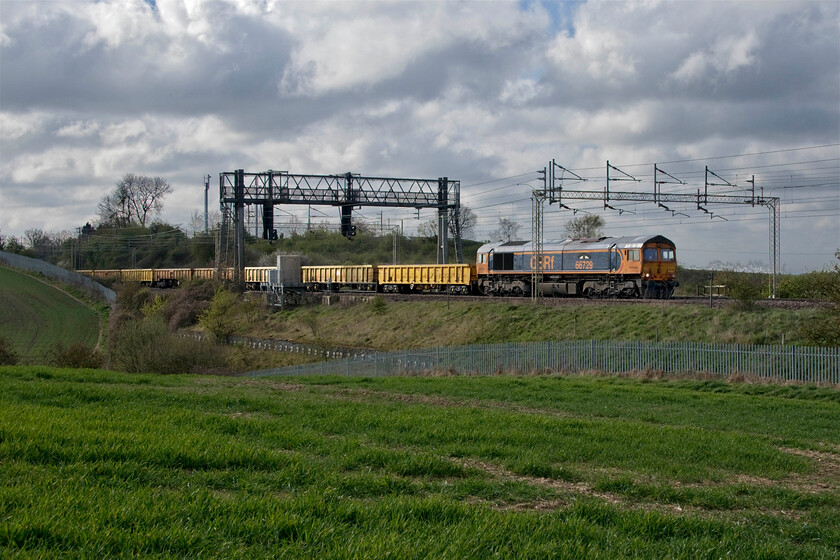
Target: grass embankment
x,y
104,464
395,325
36,316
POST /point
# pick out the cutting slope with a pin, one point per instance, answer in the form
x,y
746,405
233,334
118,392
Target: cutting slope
x,y
34,316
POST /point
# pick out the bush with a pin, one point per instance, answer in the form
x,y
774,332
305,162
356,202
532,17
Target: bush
x,y
745,288
222,317
811,285
185,305
132,297
378,306
824,330
148,346
8,356
76,355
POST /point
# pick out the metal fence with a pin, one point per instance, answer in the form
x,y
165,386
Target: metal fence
x,y
94,289
781,363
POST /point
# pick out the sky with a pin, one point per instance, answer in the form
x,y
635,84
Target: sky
x,y
485,93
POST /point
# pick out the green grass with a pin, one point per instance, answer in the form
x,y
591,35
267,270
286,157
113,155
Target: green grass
x,y
35,317
95,463
426,324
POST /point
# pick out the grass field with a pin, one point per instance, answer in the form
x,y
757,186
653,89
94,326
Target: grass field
x,y
35,316
422,324
96,464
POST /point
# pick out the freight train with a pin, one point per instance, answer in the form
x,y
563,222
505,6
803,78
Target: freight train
x,y
629,267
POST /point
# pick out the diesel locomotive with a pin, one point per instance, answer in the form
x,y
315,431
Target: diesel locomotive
x,y
641,266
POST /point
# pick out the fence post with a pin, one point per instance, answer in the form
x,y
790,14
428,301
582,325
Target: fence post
x,y
548,364
639,355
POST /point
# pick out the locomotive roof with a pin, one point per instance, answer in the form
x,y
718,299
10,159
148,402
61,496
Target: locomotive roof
x,y
595,243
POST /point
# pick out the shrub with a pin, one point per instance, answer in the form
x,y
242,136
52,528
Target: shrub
x,y
744,288
378,306
824,329
148,346
76,355
221,318
8,356
811,285
153,307
185,305
132,297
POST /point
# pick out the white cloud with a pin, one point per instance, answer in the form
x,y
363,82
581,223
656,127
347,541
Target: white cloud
x,y
727,55
363,44
471,90
596,50
79,129
519,92
123,131
117,23
13,126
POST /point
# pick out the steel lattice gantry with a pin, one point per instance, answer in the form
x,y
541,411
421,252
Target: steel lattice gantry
x,y
538,198
772,203
269,188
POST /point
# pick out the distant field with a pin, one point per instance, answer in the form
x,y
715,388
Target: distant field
x,y
104,464
34,316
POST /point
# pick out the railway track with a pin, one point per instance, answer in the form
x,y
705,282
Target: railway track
x,y
717,302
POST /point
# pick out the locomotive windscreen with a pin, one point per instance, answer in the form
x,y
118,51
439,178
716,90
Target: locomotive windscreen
x,y
502,261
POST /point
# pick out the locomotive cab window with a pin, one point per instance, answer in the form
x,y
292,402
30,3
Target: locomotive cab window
x,y
667,254
482,258
632,254
503,261
651,254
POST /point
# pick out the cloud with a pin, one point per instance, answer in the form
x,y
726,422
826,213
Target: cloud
x,y
474,91
727,55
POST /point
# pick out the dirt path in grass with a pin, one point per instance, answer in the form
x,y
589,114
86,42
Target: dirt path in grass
x,y
368,394
824,478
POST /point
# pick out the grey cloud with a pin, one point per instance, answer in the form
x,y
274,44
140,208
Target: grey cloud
x,y
442,109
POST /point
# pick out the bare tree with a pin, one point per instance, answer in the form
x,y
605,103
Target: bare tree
x,y
36,238
508,230
44,245
113,209
428,229
466,219
591,225
135,199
